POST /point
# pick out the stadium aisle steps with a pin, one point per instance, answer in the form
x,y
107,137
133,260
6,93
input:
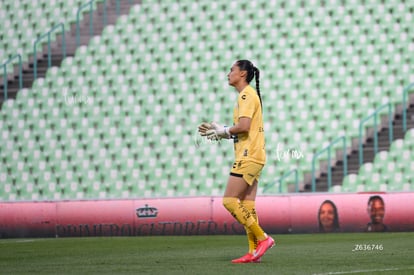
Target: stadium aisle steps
x,y
368,151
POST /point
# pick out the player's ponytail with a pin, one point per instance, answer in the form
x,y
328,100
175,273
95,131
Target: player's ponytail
x,y
257,77
252,72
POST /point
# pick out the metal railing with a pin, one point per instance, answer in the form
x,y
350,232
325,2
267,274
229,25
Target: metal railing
x,y
404,114
328,148
82,7
282,178
374,115
5,79
49,58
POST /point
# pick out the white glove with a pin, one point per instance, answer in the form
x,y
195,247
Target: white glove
x,y
207,130
218,131
203,128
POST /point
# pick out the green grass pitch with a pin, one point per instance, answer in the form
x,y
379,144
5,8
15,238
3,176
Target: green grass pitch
x,y
350,253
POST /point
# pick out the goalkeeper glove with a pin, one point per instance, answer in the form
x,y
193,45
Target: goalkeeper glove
x,y
206,130
203,128
218,131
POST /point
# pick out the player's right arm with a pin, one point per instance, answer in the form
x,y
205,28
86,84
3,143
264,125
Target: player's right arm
x,y
242,127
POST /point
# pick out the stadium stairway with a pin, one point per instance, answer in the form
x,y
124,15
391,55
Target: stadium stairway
x,y
71,45
369,153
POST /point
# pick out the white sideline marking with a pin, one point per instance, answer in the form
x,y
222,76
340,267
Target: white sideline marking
x,y
8,241
365,270
24,241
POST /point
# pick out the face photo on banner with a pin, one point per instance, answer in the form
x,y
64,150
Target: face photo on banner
x,y
328,217
376,212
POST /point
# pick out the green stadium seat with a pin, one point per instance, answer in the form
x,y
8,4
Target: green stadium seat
x,y
350,183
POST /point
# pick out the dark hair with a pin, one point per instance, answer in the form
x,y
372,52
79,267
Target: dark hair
x,y
252,72
336,218
376,197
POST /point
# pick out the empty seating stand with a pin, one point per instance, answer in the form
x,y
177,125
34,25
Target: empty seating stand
x,y
119,118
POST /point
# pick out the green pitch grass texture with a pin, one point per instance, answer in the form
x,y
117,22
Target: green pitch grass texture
x,y
293,254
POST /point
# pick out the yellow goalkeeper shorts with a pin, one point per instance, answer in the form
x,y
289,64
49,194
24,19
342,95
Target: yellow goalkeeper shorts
x,y
248,170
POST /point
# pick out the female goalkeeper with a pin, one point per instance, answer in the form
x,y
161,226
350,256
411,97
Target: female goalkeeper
x,y
250,157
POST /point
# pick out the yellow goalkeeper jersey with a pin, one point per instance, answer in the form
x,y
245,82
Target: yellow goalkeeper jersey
x,y
249,146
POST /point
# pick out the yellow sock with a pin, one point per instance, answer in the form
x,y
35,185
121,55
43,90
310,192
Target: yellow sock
x,y
243,216
257,231
251,238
